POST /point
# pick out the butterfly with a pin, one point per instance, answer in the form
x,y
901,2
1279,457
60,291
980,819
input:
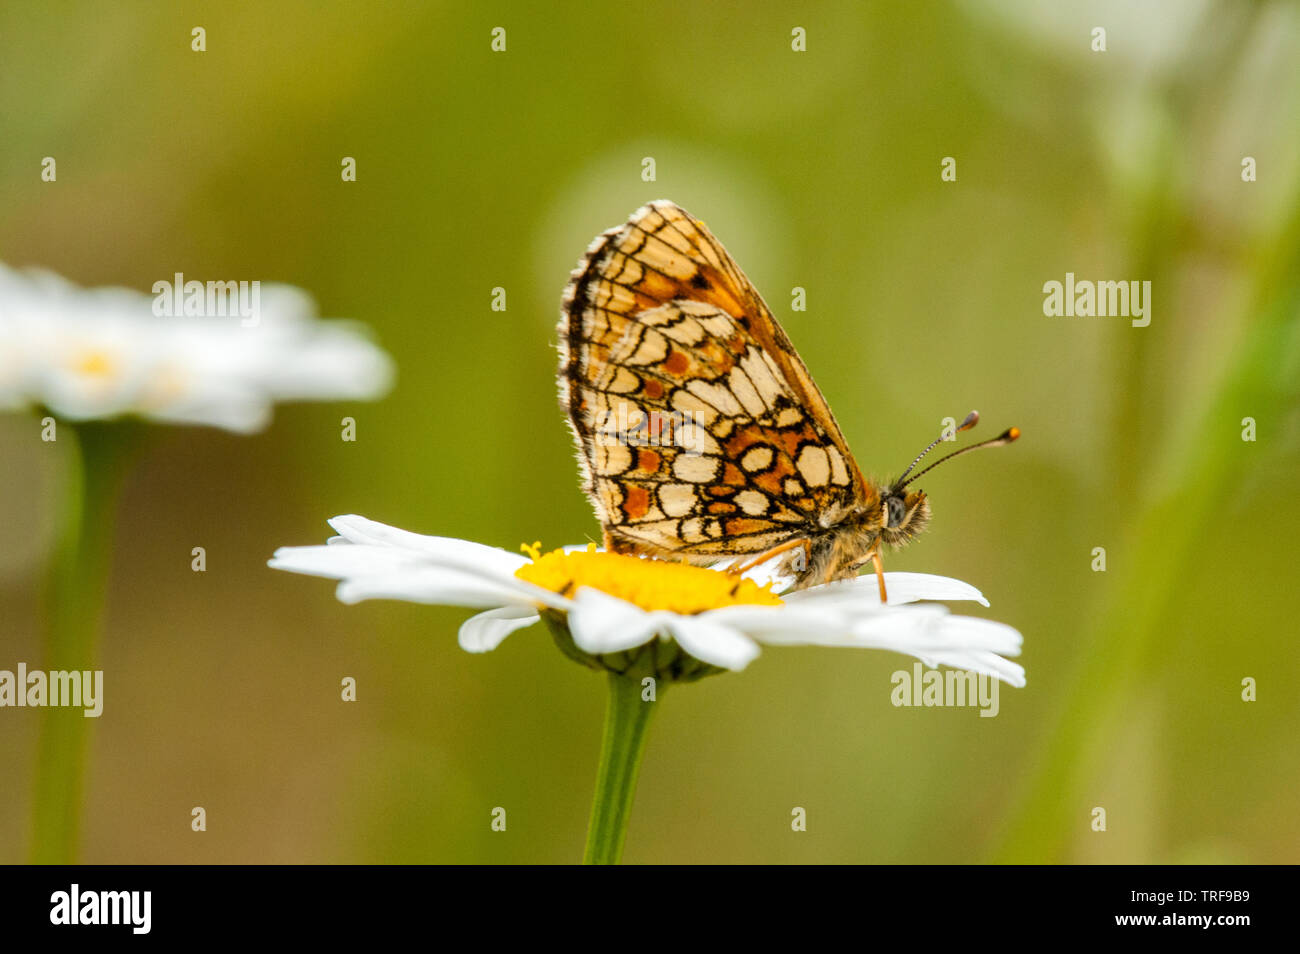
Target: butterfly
x,y
700,432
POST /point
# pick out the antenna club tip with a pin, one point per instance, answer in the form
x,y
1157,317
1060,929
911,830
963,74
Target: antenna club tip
x,y
971,420
1013,433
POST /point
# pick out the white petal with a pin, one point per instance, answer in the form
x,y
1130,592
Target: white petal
x,y
601,623
450,550
234,411
340,562
930,633
789,624
446,587
901,587
712,642
979,645
961,642
385,567
331,362
486,631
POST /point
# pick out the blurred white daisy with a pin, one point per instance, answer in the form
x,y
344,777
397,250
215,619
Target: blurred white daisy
x,y
612,605
98,353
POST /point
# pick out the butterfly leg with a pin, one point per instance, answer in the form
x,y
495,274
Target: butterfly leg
x,y
769,554
880,575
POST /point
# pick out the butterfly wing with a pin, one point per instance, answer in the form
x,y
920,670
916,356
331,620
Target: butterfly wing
x,y
699,430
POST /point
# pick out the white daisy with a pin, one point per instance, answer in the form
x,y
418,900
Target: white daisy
x,y
97,353
612,606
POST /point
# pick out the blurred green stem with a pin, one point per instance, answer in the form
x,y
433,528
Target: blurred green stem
x,y
75,599
1134,635
1174,519
626,722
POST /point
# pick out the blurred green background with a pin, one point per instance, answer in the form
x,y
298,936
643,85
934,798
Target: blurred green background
x,y
818,169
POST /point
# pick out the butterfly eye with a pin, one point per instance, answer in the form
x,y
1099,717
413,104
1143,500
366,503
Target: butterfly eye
x,y
894,511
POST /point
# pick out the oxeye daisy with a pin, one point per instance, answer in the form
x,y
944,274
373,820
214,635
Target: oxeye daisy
x,y
615,605
101,363
102,353
649,622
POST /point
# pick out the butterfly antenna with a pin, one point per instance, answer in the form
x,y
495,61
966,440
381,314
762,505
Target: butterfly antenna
x,y
971,420
1006,437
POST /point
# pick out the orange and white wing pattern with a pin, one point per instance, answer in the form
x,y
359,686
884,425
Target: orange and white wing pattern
x,y
699,431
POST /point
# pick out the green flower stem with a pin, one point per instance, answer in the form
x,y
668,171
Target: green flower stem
x,y
75,598
626,722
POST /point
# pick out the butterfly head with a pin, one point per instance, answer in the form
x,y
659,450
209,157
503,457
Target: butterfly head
x,y
892,515
903,514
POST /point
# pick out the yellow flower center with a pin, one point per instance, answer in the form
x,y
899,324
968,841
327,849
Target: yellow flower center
x,y
95,364
647,583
